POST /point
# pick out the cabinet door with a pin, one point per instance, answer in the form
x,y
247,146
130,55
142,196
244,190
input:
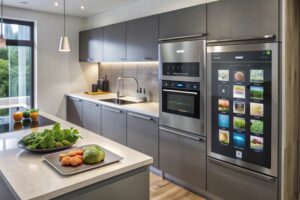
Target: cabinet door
x,y
90,45
92,117
114,42
184,22
183,156
114,124
229,183
235,19
142,134
74,111
142,39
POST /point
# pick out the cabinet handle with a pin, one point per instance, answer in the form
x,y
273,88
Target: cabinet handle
x,y
94,104
123,59
113,110
89,59
183,134
180,92
140,116
242,170
148,58
73,99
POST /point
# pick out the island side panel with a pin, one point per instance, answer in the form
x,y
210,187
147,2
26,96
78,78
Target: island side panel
x,y
5,192
132,185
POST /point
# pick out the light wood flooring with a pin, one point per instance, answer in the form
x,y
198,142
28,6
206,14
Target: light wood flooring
x,y
161,189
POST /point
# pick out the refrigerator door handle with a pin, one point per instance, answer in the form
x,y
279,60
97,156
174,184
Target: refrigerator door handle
x,y
183,134
242,170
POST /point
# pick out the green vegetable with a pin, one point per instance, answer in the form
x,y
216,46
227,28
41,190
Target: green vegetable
x,y
47,139
93,155
26,114
257,126
34,110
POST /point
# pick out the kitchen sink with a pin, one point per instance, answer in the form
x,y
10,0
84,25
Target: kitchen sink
x,y
118,101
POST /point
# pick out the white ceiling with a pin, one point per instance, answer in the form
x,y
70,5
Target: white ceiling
x,y
72,6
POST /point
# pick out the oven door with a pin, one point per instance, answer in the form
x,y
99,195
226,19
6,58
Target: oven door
x,y
181,102
180,109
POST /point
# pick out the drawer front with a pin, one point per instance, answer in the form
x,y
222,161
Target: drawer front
x,y
142,134
184,158
114,124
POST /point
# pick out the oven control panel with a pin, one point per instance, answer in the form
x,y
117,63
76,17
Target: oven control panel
x,y
188,69
181,85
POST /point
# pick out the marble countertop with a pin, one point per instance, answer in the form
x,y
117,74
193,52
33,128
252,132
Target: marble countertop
x,y
148,108
29,177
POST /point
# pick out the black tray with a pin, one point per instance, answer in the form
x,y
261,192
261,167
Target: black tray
x,y
53,161
22,146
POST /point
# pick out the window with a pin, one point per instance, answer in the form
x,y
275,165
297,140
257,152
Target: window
x,y
16,63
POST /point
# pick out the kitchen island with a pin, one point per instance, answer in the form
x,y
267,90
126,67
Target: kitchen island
x,y
26,176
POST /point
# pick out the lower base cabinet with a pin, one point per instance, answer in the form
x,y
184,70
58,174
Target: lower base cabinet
x,y
142,134
74,111
183,156
114,124
229,183
92,116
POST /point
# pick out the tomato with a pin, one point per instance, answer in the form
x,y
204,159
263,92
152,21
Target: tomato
x,y
34,116
18,116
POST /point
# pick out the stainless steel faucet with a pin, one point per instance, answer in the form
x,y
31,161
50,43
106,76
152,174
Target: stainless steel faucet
x,y
121,78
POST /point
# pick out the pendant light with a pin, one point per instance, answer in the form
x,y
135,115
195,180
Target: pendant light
x,y
64,45
2,39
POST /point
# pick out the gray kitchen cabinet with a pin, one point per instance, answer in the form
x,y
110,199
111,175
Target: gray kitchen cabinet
x,y
235,19
142,39
184,22
142,134
92,116
114,124
114,42
183,156
74,111
233,183
90,45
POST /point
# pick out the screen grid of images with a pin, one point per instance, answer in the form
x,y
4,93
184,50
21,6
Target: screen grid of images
x,y
241,109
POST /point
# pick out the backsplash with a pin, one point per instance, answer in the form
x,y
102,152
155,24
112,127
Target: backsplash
x,y
145,73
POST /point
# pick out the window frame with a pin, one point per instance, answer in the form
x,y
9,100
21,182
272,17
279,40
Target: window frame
x,y
26,43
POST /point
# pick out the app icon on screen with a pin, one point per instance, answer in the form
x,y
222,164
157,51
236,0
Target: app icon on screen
x,y
239,91
256,143
223,105
223,121
239,76
223,90
239,123
223,75
239,140
239,107
224,136
257,92
257,109
257,126
256,75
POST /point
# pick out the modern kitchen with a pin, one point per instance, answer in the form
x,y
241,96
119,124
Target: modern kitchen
x,y
149,99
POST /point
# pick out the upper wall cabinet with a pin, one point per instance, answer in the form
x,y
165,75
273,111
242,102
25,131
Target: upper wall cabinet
x,y
235,19
142,39
184,22
114,42
90,45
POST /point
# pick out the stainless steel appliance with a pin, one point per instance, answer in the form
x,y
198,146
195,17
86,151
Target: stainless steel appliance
x,y
242,104
182,81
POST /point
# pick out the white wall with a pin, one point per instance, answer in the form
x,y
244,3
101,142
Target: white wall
x,y
139,9
57,73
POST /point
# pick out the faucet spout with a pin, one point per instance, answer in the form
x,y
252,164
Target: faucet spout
x,y
124,78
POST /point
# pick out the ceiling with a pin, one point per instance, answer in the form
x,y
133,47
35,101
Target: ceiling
x,y
73,7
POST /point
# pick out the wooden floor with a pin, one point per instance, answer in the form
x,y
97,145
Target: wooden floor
x,y
161,189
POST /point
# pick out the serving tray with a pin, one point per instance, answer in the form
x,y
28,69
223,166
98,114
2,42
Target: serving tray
x,y
53,160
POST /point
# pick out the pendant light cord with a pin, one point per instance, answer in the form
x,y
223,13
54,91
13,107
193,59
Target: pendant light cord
x,y
64,17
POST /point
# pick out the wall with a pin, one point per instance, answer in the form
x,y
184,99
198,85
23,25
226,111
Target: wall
x,y
145,73
56,73
139,9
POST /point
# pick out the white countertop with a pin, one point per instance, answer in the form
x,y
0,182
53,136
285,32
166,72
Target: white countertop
x,y
148,108
31,178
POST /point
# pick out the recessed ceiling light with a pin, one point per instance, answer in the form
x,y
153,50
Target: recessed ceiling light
x,y
82,7
56,4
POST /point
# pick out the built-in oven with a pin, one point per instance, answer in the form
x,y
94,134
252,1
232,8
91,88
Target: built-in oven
x,y
182,85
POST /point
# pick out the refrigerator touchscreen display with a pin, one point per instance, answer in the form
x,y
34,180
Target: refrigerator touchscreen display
x,y
241,106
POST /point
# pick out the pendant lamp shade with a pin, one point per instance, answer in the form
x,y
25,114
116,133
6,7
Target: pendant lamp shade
x,y
2,39
64,45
